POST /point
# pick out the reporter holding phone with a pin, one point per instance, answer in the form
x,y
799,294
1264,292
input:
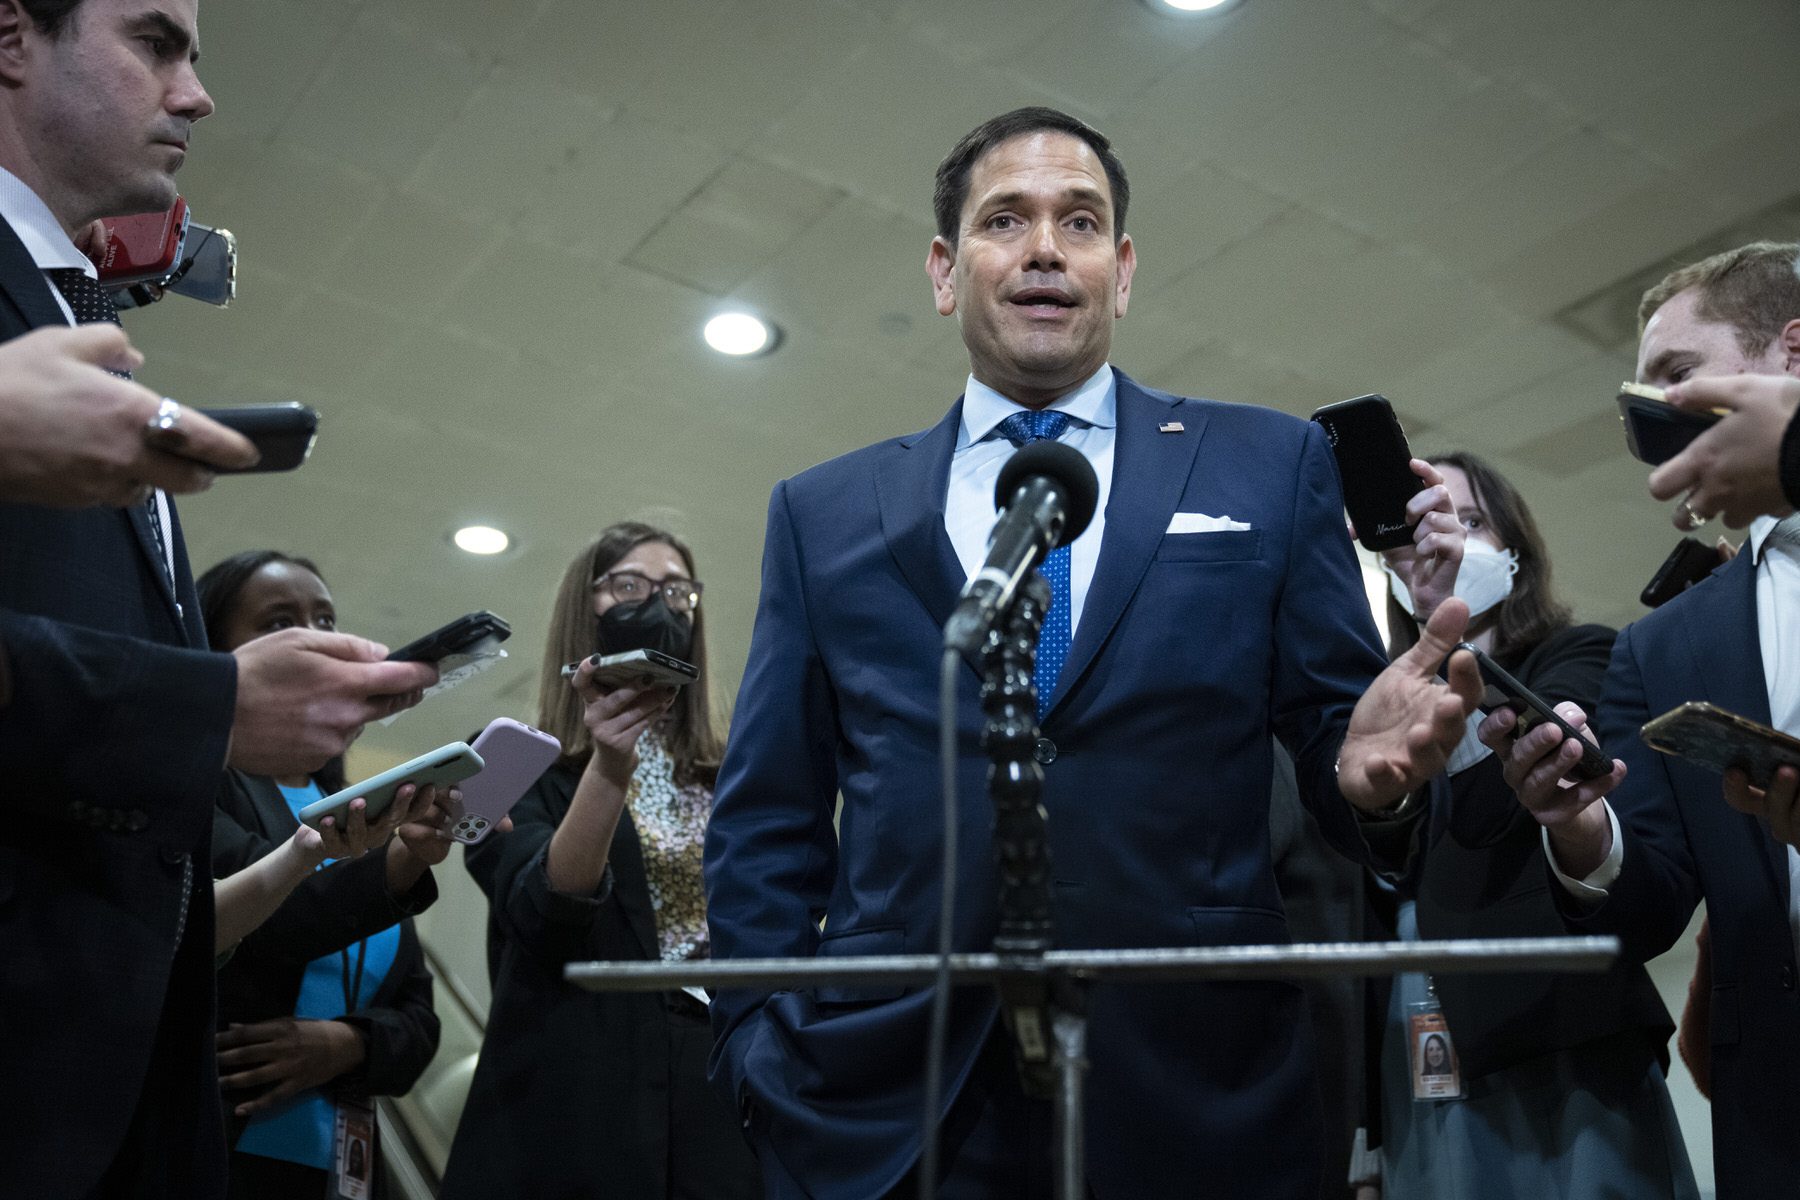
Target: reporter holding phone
x,y
581,1094
328,1003
1562,1076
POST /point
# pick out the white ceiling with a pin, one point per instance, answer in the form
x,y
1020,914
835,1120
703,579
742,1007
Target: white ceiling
x,y
481,238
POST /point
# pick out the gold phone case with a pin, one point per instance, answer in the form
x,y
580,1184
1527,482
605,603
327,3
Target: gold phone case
x,y
1719,740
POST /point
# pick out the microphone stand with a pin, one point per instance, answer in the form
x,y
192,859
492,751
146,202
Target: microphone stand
x,y
1045,1007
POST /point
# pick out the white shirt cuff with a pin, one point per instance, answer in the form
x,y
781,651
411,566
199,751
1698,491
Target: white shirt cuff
x,y
1593,888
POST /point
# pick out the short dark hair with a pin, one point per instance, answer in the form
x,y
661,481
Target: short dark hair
x,y
1755,289
952,190
1531,612
219,589
223,582
52,17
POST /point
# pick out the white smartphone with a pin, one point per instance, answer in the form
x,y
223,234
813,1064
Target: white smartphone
x,y
514,756
637,668
451,763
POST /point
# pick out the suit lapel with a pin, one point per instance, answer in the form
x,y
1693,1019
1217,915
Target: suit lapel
x,y
1727,666
23,283
909,493
138,516
1150,472
632,885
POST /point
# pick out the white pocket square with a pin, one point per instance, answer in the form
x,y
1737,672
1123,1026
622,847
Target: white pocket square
x,y
1203,523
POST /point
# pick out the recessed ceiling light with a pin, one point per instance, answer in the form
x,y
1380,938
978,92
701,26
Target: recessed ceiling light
x,y
481,539
739,334
1187,7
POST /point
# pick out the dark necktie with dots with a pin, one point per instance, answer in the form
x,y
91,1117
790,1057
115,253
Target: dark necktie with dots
x,y
1021,429
92,306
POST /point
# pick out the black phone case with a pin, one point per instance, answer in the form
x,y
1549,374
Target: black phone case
x,y
1373,463
1656,431
1691,561
283,432
453,638
1503,691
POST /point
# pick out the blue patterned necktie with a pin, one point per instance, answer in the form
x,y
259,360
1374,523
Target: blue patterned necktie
x,y
1021,429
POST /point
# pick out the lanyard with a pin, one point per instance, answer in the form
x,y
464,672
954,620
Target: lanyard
x,y
353,988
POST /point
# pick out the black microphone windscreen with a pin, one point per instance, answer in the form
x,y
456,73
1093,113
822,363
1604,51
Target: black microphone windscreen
x,y
1064,465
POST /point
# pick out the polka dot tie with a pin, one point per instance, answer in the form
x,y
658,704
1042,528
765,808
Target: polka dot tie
x,y
92,305
1021,429
87,299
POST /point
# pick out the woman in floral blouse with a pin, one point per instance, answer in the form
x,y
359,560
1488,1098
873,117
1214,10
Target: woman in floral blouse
x,y
581,1093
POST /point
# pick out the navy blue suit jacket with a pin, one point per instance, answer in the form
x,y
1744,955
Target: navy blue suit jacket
x,y
110,752
1192,649
1682,843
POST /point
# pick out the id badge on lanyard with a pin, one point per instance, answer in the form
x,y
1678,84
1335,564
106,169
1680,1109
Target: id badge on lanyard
x,y
353,1153
1435,1073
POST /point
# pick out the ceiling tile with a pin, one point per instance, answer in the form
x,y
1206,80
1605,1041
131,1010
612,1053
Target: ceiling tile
x,y
383,98
740,219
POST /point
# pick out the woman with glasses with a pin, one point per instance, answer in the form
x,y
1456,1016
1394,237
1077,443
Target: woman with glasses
x,y
579,1093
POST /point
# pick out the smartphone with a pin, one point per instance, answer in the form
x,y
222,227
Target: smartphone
x,y
283,432
458,637
514,756
447,764
1501,690
1708,735
1655,430
1691,561
143,246
636,668
1373,461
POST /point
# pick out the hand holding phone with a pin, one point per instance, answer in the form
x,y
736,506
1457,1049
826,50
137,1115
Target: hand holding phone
x,y
450,763
283,434
458,637
1722,741
635,668
1501,690
1375,465
1655,430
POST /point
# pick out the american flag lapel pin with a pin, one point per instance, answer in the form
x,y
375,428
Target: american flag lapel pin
x,y
1171,427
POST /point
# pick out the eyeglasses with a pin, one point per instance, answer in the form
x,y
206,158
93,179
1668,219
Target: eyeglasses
x,y
628,587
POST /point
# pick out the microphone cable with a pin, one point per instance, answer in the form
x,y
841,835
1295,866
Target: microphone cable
x,y
937,1041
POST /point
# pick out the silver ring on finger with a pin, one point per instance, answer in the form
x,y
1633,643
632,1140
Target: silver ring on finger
x,y
1688,517
166,422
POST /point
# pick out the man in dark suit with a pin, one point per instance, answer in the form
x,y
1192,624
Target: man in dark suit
x,y
118,721
1214,600
1664,837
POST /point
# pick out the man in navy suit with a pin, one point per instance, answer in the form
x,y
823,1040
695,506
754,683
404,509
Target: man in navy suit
x,y
115,720
1215,599
1667,834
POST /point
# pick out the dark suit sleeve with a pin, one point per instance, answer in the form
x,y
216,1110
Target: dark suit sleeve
x,y
331,909
112,722
401,1030
1327,653
1649,904
552,926
771,848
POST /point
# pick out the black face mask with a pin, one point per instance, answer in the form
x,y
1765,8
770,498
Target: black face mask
x,y
647,625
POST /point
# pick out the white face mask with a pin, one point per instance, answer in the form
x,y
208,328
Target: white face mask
x,y
1483,581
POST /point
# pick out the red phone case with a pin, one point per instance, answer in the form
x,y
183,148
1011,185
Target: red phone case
x,y
142,247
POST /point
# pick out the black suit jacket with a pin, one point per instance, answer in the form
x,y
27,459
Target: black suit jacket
x,y
110,750
570,1097
332,910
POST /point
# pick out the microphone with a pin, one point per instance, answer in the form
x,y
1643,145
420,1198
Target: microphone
x,y
1046,494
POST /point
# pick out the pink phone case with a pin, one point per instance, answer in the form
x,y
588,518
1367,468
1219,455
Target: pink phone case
x,y
516,755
